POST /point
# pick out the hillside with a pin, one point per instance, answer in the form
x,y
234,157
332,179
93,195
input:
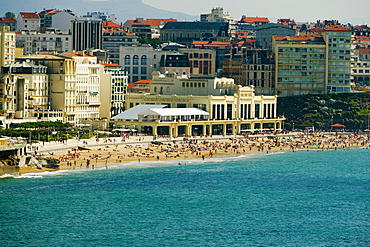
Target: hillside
x,y
122,9
321,111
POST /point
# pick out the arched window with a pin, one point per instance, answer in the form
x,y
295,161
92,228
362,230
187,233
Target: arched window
x,y
127,60
135,60
143,60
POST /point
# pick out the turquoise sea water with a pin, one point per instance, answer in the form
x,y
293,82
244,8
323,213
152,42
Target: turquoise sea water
x,y
286,199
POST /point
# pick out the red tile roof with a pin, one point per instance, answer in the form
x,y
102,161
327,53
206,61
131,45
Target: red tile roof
x,y
131,85
110,24
8,19
365,51
27,15
362,38
112,31
336,28
157,22
255,19
143,81
152,22
210,44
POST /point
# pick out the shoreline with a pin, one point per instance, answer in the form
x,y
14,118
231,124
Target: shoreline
x,y
138,152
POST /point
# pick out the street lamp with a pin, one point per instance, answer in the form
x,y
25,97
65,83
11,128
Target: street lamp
x,y
293,126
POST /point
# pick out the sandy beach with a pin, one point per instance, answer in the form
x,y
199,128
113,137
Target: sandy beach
x,y
106,151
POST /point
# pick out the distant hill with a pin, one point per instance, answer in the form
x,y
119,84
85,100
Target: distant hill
x,y
122,9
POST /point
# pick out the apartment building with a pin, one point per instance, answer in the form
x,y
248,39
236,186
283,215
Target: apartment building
x,y
113,88
62,82
56,19
317,64
113,39
35,42
88,87
187,32
31,90
28,21
7,45
148,28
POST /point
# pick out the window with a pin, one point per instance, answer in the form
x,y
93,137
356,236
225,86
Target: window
x,y
135,60
127,60
135,70
143,70
143,60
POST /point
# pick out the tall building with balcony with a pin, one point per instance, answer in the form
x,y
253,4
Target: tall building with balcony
x,y
113,90
338,42
87,85
113,39
35,42
7,45
313,65
31,87
62,83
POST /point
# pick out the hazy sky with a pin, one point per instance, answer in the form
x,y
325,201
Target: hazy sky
x,y
300,10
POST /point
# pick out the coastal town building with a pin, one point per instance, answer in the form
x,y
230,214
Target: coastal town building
x,y
31,91
187,32
138,61
141,86
104,16
148,28
33,42
113,88
54,19
11,22
87,33
62,82
254,67
88,87
265,32
254,21
232,108
28,21
113,39
316,64
7,45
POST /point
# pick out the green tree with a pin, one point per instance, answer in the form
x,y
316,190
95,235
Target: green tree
x,y
9,15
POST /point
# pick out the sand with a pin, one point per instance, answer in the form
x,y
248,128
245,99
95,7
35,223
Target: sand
x,y
105,155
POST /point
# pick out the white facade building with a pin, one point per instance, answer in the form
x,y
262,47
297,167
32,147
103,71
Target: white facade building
x,y
33,42
28,21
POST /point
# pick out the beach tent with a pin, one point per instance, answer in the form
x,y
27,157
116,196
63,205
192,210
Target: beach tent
x,y
338,125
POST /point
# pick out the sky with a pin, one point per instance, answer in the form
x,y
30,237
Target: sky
x,y
357,11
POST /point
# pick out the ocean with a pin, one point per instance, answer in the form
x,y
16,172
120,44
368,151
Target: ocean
x,y
282,199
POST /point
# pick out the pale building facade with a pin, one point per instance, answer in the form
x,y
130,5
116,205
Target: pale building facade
x,y
28,21
232,108
313,65
62,83
87,86
7,45
34,42
112,90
